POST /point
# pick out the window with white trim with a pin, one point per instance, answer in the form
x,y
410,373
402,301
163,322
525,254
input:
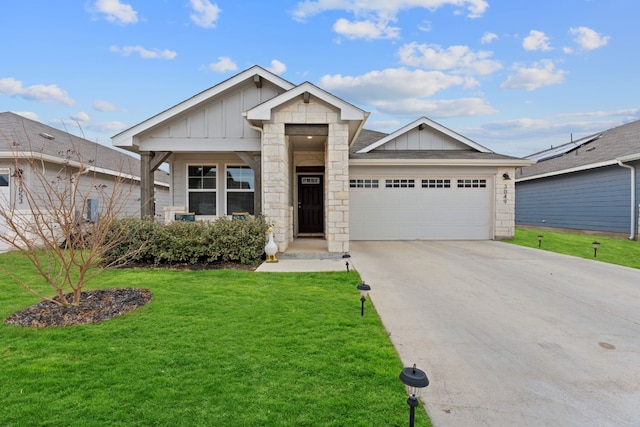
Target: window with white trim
x,y
363,183
240,189
436,183
472,183
400,183
202,188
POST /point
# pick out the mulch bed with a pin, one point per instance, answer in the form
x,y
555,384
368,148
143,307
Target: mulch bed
x,y
95,306
100,305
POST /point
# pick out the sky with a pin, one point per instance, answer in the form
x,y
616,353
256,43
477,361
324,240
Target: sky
x,y
516,76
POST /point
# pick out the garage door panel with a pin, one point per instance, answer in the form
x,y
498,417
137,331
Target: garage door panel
x,y
420,213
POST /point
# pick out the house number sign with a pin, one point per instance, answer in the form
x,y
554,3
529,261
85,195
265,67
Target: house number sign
x,y
506,191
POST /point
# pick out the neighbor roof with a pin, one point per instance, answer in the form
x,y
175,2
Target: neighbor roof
x,y
22,136
597,150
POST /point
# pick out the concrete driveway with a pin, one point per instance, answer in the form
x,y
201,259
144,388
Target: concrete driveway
x,y
510,336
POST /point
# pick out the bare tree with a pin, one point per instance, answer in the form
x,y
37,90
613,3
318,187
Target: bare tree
x,y
60,215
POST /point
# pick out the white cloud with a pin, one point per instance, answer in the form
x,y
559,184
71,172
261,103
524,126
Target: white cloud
x,y
373,17
392,83
540,74
117,12
277,67
398,91
223,64
28,114
588,39
205,14
367,30
308,8
536,40
144,53
43,93
488,38
81,117
104,106
458,58
436,107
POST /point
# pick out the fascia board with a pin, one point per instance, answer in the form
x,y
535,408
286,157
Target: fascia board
x,y
440,162
347,111
629,158
431,124
126,137
57,160
569,170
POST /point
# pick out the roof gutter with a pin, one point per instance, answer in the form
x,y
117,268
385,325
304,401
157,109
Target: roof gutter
x,y
632,226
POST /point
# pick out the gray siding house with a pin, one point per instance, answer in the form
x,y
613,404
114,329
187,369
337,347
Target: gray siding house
x,y
23,140
588,185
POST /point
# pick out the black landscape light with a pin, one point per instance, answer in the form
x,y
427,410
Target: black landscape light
x,y
596,245
364,289
415,379
347,264
540,240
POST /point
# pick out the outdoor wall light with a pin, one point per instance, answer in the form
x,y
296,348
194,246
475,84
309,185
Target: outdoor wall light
x,y
540,240
364,289
506,176
596,245
415,379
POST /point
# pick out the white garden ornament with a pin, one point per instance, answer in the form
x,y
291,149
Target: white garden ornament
x,y
271,248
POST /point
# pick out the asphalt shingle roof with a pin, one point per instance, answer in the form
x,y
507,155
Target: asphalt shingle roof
x,y
20,134
614,143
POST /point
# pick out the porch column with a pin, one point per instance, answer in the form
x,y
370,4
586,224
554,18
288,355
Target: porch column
x,y
149,162
146,185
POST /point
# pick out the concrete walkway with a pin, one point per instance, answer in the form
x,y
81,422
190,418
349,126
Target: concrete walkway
x,y
510,336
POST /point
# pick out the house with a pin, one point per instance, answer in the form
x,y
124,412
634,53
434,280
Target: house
x,y
300,155
23,140
587,185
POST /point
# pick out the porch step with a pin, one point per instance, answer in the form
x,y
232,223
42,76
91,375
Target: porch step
x,y
312,255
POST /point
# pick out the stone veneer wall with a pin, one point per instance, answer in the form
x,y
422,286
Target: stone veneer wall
x,y
279,172
505,191
337,188
276,182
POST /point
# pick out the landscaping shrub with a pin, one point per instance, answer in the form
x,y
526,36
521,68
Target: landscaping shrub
x,y
179,242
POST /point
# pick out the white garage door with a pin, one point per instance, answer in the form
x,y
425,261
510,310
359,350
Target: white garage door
x,y
430,208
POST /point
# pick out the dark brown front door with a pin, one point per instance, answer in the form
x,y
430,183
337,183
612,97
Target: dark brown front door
x,y
310,204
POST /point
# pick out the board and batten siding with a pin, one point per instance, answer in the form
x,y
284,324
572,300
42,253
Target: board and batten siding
x,y
425,139
598,199
217,125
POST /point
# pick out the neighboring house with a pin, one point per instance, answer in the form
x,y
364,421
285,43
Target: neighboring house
x,y
298,154
586,185
23,140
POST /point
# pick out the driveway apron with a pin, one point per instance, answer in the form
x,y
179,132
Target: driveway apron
x,y
510,336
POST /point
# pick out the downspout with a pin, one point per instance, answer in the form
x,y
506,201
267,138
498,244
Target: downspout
x,y
633,197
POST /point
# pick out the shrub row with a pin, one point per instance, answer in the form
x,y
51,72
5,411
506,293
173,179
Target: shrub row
x,y
148,242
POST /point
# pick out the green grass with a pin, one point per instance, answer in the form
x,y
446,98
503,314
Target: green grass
x,y
615,251
213,348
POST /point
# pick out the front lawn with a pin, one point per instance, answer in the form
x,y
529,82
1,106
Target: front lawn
x,y
213,348
615,251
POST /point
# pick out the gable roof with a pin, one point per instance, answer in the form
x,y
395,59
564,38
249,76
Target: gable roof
x,y
423,121
597,150
347,110
125,138
23,137
365,150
